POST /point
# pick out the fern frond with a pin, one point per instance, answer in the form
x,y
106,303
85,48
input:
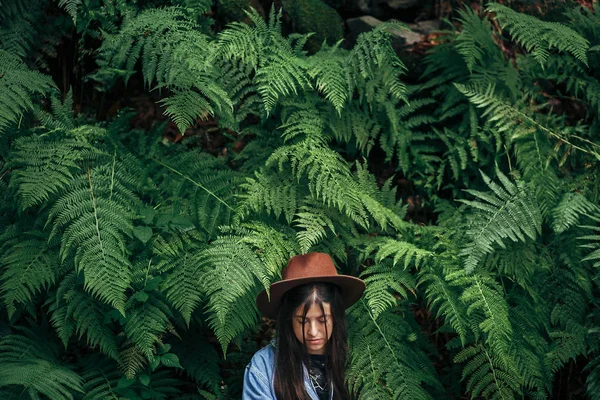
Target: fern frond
x,y
18,26
358,124
70,7
384,283
332,78
186,107
302,120
243,41
475,39
282,74
402,251
384,361
486,305
181,284
229,283
445,300
61,115
96,213
152,35
374,59
592,242
328,175
488,376
75,312
29,265
132,361
146,323
19,85
568,211
271,193
540,36
536,158
509,211
312,224
101,378
42,168
32,362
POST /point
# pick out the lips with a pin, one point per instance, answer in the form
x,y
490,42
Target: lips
x,y
314,341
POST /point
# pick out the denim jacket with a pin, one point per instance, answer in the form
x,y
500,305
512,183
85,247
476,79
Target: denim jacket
x,y
259,375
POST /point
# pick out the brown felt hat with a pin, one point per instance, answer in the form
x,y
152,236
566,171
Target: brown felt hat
x,y
307,268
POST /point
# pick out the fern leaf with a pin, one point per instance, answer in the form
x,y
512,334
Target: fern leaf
x,y
329,70
384,360
71,7
384,283
445,300
475,38
508,212
31,362
540,36
486,305
181,285
132,361
400,250
42,168
569,209
18,85
373,58
101,377
271,193
283,74
312,223
30,265
230,285
488,376
96,213
146,323
77,312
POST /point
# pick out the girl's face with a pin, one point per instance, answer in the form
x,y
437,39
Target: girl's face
x,y
316,325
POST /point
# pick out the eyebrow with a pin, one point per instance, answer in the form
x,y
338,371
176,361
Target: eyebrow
x,y
301,317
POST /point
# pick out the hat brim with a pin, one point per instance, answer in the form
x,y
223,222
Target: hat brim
x,y
351,289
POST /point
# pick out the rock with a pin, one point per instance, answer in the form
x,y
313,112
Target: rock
x,y
426,27
383,9
317,17
362,24
358,25
400,4
405,38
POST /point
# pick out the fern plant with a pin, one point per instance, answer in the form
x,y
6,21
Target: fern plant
x,y
135,260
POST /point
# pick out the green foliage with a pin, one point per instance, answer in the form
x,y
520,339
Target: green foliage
x,y
43,168
129,263
540,36
31,360
18,85
387,361
507,212
29,266
70,7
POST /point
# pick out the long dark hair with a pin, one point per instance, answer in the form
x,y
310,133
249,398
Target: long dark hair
x,y
291,355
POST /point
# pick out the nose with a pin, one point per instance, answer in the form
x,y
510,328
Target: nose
x,y
312,329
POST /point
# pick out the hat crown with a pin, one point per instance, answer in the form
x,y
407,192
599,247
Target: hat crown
x,y
308,265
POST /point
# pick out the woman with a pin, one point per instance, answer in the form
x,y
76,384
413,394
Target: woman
x,y
308,358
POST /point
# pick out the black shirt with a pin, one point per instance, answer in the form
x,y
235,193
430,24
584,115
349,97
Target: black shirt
x,y
318,377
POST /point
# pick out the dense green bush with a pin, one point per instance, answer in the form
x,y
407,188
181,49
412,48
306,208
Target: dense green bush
x,y
129,264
